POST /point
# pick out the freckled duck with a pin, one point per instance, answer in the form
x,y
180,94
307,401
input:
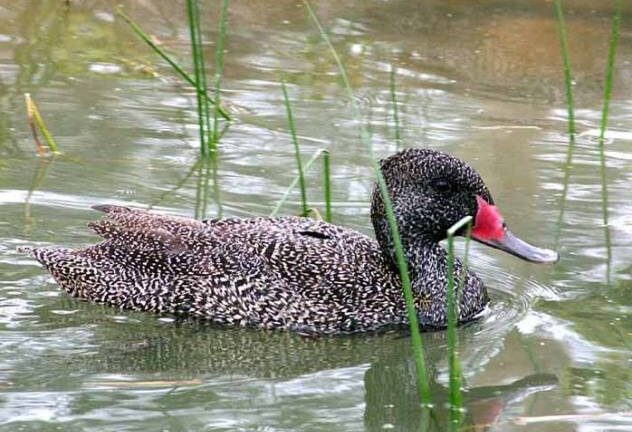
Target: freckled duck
x,y
295,273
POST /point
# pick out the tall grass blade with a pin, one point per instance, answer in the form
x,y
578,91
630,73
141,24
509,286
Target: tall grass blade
x,y
36,122
176,67
216,189
402,264
39,175
607,92
297,150
294,182
219,69
201,188
398,134
177,186
456,400
207,169
568,86
327,184
197,54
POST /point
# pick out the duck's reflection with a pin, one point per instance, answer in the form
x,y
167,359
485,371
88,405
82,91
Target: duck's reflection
x,y
392,401
182,351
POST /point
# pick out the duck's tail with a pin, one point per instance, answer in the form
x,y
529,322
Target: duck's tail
x,y
71,271
141,254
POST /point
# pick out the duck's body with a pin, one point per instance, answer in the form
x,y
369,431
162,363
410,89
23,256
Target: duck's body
x,y
282,273
286,273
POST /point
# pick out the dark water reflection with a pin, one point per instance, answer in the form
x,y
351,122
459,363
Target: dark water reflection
x,y
480,79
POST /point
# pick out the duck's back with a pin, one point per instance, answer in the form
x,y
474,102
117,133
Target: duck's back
x,y
292,273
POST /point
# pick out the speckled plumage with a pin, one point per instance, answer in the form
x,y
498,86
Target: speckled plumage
x,y
285,273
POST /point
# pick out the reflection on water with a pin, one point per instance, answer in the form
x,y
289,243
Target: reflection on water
x,y
482,80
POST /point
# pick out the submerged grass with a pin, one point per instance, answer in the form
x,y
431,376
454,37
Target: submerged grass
x,y
43,166
285,196
297,150
422,381
202,186
36,122
219,70
197,55
398,134
568,86
455,398
612,50
327,184
174,65
207,166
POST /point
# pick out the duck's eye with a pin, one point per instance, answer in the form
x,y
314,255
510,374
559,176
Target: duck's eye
x,y
441,185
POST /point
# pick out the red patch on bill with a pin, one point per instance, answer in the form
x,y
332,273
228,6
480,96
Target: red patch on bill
x,y
488,223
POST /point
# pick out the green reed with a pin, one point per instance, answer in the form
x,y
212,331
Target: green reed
x,y
402,264
219,69
295,181
398,134
199,70
174,65
178,185
607,93
36,123
327,184
452,301
43,166
568,86
297,150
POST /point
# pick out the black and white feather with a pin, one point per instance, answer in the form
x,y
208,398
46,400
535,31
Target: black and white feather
x,y
286,273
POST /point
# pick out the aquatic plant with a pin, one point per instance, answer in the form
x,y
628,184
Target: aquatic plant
x,y
199,70
568,86
40,173
170,61
607,92
452,301
318,153
327,184
36,122
398,134
422,382
219,70
297,150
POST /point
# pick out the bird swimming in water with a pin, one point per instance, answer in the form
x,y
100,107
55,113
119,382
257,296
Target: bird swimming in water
x,y
293,273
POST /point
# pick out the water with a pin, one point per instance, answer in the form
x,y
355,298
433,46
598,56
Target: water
x,y
480,81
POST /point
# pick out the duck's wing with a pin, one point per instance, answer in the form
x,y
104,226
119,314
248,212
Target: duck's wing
x,y
271,272
137,265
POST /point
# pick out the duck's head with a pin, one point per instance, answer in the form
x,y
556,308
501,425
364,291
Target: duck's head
x,y
431,191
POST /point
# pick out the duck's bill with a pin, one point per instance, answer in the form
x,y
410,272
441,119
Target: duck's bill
x,y
490,229
513,245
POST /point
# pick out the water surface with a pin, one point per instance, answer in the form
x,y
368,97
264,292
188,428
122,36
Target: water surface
x,y
482,80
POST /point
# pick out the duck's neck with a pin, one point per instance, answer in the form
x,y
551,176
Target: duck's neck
x,y
427,268
426,258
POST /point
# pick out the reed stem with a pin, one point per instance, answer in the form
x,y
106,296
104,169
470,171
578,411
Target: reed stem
x,y
197,54
219,70
422,382
175,66
327,185
297,150
568,86
294,182
36,122
607,93
398,134
452,313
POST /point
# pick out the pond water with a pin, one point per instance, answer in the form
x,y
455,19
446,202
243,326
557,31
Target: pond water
x,y
481,80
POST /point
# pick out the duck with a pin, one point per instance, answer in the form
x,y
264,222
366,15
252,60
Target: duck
x,y
293,273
